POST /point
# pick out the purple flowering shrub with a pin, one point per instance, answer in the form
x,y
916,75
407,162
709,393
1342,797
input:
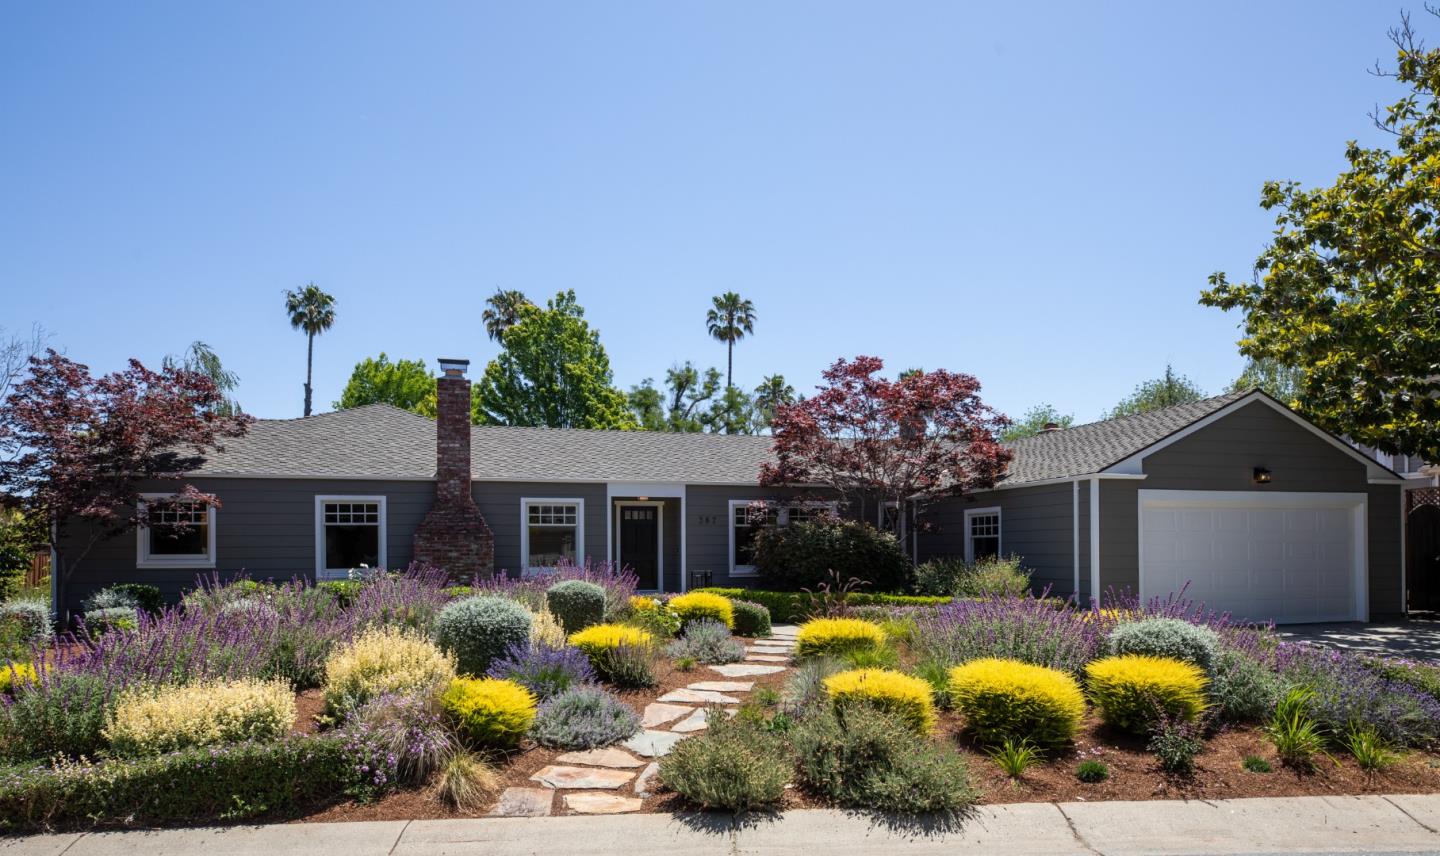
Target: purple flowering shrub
x,y
1348,692
544,671
394,740
584,717
1018,628
529,588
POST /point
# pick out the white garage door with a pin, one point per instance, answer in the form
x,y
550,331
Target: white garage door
x,y
1285,557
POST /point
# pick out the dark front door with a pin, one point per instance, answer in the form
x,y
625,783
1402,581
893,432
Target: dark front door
x,y
1422,564
640,543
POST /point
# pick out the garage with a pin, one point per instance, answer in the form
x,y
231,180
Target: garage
x,y
1288,557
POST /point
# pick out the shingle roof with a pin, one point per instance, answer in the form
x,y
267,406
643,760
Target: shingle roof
x,y
1090,448
380,441
384,442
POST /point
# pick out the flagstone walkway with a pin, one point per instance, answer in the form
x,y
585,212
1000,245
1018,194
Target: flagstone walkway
x,y
606,781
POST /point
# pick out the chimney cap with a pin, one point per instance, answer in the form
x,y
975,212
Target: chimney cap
x,y
453,367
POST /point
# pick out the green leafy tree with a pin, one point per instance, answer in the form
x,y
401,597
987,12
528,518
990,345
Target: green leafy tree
x,y
502,311
312,311
1280,381
551,372
1167,390
732,413
406,384
1034,421
772,394
200,357
1348,291
681,407
730,319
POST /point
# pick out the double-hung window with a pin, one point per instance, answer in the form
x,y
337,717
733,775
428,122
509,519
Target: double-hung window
x,y
982,533
349,535
748,517
552,531
178,533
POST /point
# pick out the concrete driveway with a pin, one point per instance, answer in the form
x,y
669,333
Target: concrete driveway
x,y
1416,639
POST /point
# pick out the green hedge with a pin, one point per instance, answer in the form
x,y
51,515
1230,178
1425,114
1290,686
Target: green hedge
x,y
788,606
195,785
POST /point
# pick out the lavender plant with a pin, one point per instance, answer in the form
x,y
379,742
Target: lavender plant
x,y
584,717
1018,628
706,641
619,584
546,672
1346,691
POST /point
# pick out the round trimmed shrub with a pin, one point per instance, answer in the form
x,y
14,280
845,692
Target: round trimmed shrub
x,y
490,712
384,660
702,605
1132,691
133,595
905,697
577,603
478,630
838,636
32,615
150,721
584,717
1010,700
1167,637
98,622
751,619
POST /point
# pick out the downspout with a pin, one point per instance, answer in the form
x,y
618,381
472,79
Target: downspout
x,y
1075,545
1095,540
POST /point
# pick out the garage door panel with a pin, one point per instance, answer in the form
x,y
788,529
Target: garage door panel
x,y
1283,557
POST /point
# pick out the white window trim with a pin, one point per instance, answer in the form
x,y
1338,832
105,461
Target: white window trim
x,y
324,573
143,559
999,538
526,502
659,506
783,519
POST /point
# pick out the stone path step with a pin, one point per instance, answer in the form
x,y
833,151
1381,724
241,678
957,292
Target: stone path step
x,y
745,670
562,777
659,713
524,802
698,697
601,803
696,721
607,757
722,686
766,658
652,744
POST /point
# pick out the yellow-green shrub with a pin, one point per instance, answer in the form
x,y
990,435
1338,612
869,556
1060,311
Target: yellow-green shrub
x,y
602,638
1130,689
900,695
837,636
384,660
641,603
152,721
14,674
492,713
699,604
1010,700
545,630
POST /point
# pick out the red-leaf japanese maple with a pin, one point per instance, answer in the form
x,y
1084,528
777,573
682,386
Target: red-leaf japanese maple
x,y
76,450
921,437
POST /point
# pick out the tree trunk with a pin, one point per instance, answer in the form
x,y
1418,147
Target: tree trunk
x,y
729,364
309,365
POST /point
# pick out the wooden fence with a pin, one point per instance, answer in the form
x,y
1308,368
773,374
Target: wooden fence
x,y
39,567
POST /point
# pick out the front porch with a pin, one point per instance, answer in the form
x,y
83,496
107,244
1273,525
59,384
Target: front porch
x,y
646,532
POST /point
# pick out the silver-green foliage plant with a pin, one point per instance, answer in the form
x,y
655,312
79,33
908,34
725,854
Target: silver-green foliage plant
x,y
736,765
1243,689
478,630
577,603
1167,637
707,642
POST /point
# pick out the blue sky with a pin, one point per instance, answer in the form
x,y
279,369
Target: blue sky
x,y
1032,193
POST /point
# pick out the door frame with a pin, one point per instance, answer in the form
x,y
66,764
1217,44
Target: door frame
x,y
1357,503
659,506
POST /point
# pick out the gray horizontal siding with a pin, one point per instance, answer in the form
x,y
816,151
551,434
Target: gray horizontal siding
x,y
499,503
1036,524
707,511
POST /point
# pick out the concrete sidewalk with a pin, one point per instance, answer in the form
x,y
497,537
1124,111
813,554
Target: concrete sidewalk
x,y
1394,824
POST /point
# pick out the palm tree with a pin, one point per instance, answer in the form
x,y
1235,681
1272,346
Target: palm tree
x,y
729,320
772,393
313,311
503,312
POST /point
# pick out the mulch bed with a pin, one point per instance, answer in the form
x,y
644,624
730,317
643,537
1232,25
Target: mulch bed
x,y
1134,773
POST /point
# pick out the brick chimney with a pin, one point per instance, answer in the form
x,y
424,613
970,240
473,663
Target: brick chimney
x,y
453,535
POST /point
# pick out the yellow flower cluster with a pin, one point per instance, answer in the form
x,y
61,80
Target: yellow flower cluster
x,y
15,674
384,660
151,720
699,604
1129,689
492,713
641,603
836,636
904,696
600,638
1010,700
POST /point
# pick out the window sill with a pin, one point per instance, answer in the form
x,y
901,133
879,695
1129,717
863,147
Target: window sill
x,y
743,573
197,563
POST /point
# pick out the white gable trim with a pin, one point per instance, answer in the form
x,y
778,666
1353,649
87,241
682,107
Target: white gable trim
x,y
1376,472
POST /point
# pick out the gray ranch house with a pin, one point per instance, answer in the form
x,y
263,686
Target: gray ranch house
x,y
1259,511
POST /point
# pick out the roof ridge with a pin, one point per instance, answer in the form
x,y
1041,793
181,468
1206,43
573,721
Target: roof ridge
x,y
1148,415
374,405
